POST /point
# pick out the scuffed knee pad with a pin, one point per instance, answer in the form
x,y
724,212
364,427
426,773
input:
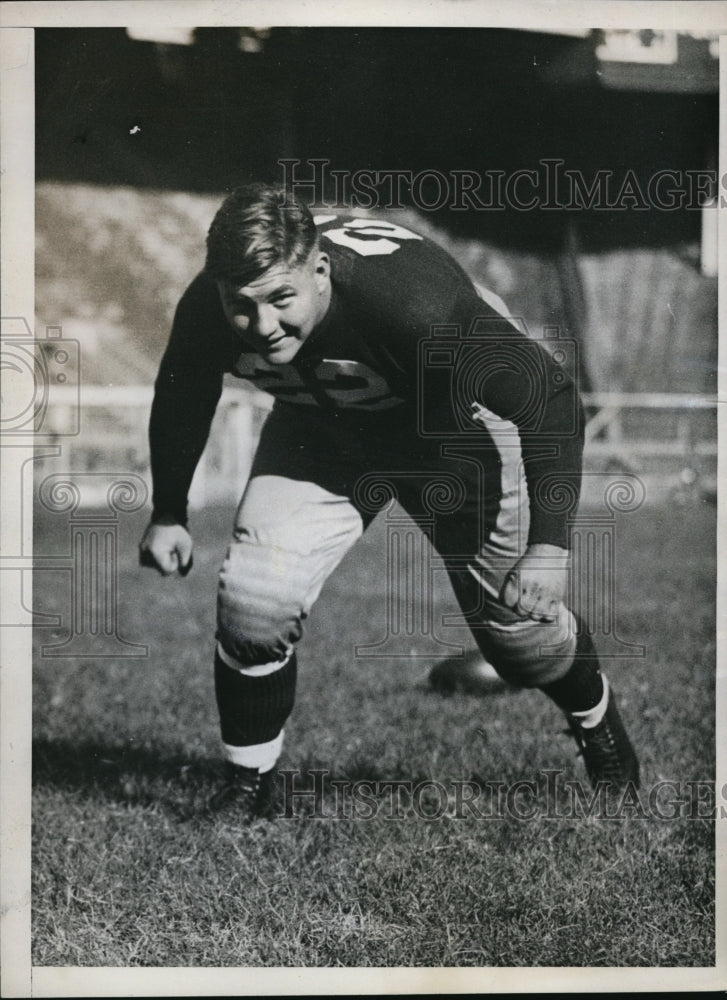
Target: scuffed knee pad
x,y
527,653
261,600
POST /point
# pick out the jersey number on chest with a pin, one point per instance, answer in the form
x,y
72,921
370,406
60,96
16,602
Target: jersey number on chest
x,y
345,383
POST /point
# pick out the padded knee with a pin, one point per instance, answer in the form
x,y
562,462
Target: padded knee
x,y
528,653
260,601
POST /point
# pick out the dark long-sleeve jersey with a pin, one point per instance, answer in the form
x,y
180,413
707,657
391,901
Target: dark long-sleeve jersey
x,y
407,343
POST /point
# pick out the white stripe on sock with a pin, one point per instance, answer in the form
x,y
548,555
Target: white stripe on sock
x,y
257,669
263,756
591,718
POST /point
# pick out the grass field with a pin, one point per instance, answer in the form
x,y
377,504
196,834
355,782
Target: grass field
x,y
127,872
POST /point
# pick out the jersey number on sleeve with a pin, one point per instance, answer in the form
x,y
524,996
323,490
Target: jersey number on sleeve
x,y
368,237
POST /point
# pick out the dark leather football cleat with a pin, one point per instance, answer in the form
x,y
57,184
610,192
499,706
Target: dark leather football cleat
x,y
245,793
607,750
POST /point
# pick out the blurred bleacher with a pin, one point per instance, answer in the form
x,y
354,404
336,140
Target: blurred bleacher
x,y
130,171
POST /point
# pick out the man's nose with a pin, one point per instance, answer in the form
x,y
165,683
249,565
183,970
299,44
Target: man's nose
x,y
265,320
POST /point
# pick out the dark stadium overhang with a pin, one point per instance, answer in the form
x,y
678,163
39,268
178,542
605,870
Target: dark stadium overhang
x,y
654,61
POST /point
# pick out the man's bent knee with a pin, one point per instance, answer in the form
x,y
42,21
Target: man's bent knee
x,y
528,653
260,601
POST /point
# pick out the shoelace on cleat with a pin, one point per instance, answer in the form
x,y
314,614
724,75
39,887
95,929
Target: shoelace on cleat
x,y
600,749
249,785
239,785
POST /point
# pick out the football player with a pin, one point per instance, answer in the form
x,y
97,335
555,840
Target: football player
x,y
386,366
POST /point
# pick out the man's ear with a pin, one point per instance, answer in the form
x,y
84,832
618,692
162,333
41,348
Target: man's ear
x,y
322,271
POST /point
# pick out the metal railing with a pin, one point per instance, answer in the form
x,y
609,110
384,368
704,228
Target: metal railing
x,y
112,432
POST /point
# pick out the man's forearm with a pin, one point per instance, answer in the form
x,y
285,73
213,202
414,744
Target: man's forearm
x,y
553,461
178,431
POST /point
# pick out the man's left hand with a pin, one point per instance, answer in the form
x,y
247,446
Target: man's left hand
x,y
536,585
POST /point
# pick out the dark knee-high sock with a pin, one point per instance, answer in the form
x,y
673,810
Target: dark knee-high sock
x,y
581,688
253,709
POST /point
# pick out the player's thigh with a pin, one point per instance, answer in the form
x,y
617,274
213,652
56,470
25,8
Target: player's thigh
x,y
473,505
524,651
475,508
288,537
281,517
305,444
296,513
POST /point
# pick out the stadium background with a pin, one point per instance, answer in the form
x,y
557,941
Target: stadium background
x,y
136,142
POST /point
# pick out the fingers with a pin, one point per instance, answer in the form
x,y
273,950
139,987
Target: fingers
x,y
167,548
167,561
528,599
164,561
541,610
545,611
511,591
539,605
184,556
517,596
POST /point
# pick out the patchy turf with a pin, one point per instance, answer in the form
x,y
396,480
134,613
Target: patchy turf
x,y
127,871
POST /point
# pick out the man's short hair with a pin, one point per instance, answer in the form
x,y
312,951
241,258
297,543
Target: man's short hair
x,y
256,227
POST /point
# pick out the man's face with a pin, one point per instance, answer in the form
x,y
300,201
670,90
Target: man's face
x,y
276,313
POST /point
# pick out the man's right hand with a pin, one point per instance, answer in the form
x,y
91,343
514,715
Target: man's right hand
x,y
166,546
